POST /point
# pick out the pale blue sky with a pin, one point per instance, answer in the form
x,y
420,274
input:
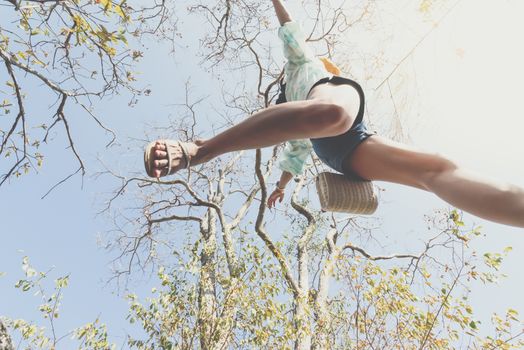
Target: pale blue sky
x,y
476,48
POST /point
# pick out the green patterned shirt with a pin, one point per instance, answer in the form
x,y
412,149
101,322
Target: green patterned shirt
x,y
302,70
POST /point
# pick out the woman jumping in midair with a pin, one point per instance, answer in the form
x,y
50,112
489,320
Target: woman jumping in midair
x,y
327,109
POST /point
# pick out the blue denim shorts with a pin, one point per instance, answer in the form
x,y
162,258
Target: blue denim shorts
x,y
335,149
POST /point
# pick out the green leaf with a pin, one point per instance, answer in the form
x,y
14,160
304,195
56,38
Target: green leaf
x,y
62,282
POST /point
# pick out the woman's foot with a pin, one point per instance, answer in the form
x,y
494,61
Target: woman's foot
x,y
157,161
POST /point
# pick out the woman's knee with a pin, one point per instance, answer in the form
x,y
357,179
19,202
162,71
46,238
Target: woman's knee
x,y
329,116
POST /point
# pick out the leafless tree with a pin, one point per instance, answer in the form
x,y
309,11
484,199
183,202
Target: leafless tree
x,y
339,294
70,54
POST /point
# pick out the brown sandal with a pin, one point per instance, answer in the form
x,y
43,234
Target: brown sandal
x,y
149,159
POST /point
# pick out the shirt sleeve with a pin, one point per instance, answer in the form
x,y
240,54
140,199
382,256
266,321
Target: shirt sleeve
x,y
296,50
294,156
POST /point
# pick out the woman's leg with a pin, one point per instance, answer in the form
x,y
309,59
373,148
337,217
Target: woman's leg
x,y
378,158
330,111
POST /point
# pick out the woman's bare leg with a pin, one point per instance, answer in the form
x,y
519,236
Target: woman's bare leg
x,y
378,158
330,111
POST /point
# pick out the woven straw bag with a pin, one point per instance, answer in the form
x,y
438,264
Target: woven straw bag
x,y
337,193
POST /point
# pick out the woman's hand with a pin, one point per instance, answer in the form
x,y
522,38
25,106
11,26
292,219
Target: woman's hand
x,y
277,194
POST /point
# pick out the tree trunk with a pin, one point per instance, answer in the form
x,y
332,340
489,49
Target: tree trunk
x,y
302,319
302,309
322,316
207,304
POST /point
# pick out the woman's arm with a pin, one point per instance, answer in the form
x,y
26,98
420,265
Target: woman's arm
x,y
282,14
284,179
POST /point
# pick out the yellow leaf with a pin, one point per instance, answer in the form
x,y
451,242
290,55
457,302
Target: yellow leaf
x,y
106,4
37,61
425,6
118,10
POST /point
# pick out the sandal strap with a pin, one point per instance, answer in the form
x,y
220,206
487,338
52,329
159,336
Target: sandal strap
x,y
185,153
168,158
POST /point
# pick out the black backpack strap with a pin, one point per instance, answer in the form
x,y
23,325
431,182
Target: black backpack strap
x,y
282,96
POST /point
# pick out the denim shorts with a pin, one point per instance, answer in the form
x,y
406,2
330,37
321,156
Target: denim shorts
x,y
335,149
